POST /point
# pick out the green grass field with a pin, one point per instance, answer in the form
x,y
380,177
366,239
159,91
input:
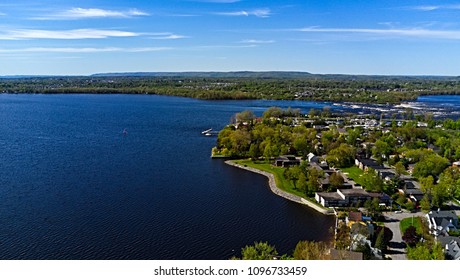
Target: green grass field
x,y
281,182
354,173
407,222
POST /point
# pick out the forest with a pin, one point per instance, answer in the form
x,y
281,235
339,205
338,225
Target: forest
x,y
243,85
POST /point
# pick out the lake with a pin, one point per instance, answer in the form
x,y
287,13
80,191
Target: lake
x,y
74,186
130,177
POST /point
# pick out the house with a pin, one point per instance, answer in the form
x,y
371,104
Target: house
x,y
354,217
330,199
412,189
313,158
286,161
349,197
366,163
441,222
383,198
451,247
354,196
387,175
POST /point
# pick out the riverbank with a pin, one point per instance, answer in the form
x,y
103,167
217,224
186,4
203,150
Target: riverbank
x,y
274,188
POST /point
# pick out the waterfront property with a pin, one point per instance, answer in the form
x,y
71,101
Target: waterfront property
x,y
286,161
349,197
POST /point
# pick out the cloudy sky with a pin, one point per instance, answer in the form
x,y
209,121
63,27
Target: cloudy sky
x,y
347,37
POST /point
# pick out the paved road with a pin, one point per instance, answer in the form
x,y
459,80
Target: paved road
x,y
396,248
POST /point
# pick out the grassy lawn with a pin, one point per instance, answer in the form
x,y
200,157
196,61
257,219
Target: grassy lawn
x,y
281,182
407,222
354,173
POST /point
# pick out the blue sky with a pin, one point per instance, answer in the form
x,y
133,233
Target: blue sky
x,y
328,37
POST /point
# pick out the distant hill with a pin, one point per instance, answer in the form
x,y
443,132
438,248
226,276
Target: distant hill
x,y
235,74
248,75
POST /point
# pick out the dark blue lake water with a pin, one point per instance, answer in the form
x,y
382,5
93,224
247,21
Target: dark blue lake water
x,y
74,186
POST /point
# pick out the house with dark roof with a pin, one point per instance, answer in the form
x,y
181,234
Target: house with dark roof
x,y
387,175
330,199
349,197
441,222
286,161
411,189
366,163
451,247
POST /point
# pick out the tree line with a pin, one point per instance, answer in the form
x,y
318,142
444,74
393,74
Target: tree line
x,y
365,89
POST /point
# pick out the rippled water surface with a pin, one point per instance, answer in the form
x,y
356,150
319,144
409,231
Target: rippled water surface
x,y
74,186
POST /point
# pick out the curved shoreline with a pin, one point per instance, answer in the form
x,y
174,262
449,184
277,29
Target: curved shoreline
x,y
274,188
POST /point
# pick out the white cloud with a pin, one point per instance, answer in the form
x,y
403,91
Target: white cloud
x,y
82,50
428,8
73,34
262,13
224,46
418,33
167,36
257,41
82,13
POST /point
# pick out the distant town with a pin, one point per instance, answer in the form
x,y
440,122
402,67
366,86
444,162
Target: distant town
x,y
393,183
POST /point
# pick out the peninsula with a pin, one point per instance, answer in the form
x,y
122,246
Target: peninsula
x,y
354,166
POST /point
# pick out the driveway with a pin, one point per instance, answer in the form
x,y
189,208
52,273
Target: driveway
x,y
396,248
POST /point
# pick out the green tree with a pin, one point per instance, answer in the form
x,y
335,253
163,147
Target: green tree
x,y
292,174
302,182
450,182
302,145
372,206
382,149
259,251
410,236
400,168
372,182
426,251
336,180
425,204
254,151
313,184
311,250
273,112
380,242
427,185
430,165
342,156
245,116
342,237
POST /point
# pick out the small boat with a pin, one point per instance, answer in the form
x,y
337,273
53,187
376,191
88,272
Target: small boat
x,y
206,131
208,134
125,132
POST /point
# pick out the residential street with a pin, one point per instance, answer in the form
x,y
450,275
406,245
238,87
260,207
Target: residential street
x,y
396,248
